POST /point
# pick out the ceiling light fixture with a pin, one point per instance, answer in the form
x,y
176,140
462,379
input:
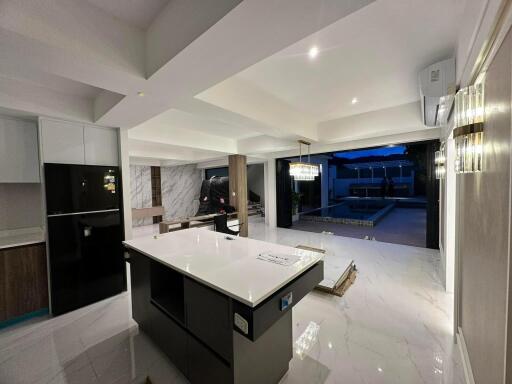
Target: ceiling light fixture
x,y
313,52
141,93
301,171
355,100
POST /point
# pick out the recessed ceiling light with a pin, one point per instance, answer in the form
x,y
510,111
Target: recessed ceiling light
x,y
355,100
313,52
141,93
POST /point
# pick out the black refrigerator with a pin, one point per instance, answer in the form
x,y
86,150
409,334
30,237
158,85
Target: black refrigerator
x,y
85,233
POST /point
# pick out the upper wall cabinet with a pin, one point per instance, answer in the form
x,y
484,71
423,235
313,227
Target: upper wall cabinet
x,y
62,142
73,143
19,160
100,145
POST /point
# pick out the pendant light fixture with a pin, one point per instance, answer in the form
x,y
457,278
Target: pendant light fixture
x,y
301,171
469,127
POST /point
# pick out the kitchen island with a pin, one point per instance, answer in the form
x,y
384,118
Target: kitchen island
x,y
220,306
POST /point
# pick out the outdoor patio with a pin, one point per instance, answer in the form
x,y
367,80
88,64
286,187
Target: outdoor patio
x,y
401,226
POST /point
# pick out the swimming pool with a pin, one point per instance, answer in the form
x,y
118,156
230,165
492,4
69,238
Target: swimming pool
x,y
366,212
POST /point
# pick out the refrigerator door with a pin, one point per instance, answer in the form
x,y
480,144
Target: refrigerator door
x,y
81,188
86,259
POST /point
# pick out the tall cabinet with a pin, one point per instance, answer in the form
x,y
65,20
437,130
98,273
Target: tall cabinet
x,y
83,198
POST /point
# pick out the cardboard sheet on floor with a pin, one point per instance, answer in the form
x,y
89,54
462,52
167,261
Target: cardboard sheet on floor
x,y
336,270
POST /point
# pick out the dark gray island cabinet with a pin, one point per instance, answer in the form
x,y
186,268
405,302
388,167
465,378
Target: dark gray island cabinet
x,y
220,307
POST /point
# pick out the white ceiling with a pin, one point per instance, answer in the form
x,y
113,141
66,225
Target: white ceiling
x,y
139,13
239,81
177,119
374,54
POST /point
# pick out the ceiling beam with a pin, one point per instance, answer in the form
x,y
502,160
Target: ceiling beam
x,y
387,121
162,133
249,33
24,96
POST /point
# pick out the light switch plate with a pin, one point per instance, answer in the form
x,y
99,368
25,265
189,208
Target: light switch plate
x,y
241,323
286,301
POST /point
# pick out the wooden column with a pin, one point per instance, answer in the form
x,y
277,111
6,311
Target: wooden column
x,y
238,190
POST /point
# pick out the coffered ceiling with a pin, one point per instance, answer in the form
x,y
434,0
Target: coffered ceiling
x,y
224,76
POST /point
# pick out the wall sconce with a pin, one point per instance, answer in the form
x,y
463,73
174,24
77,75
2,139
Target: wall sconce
x,y
469,127
440,160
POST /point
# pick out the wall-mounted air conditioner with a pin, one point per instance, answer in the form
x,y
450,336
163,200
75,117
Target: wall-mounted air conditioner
x,y
437,90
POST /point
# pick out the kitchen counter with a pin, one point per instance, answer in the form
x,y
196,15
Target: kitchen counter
x,y
19,237
220,307
233,267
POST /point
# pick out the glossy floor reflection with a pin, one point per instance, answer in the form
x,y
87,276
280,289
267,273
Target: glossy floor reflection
x,y
392,326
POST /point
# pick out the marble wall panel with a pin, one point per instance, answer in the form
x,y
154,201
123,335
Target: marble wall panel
x,y
181,186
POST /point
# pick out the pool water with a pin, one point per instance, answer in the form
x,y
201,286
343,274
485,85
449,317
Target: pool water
x,y
357,210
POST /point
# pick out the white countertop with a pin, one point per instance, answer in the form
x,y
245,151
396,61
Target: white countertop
x,y
228,266
19,237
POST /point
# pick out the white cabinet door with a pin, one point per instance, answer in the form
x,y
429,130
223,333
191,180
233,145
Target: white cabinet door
x,y
101,146
19,159
62,142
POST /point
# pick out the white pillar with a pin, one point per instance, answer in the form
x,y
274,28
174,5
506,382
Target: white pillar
x,y
450,180
270,193
125,171
324,187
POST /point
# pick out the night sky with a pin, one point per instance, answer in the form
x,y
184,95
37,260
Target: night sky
x,y
383,151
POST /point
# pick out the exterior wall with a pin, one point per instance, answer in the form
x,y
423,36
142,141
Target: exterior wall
x,y
483,208
342,185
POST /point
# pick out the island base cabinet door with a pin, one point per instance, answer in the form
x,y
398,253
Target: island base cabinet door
x,y
205,367
170,337
209,318
141,289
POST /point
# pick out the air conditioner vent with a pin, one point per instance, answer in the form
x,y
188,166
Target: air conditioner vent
x,y
437,86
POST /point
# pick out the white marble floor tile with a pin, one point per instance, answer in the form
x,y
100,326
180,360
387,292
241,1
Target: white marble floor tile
x,y
394,325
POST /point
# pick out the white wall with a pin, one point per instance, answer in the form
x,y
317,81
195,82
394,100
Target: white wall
x,y
450,234
270,193
20,206
475,28
124,159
